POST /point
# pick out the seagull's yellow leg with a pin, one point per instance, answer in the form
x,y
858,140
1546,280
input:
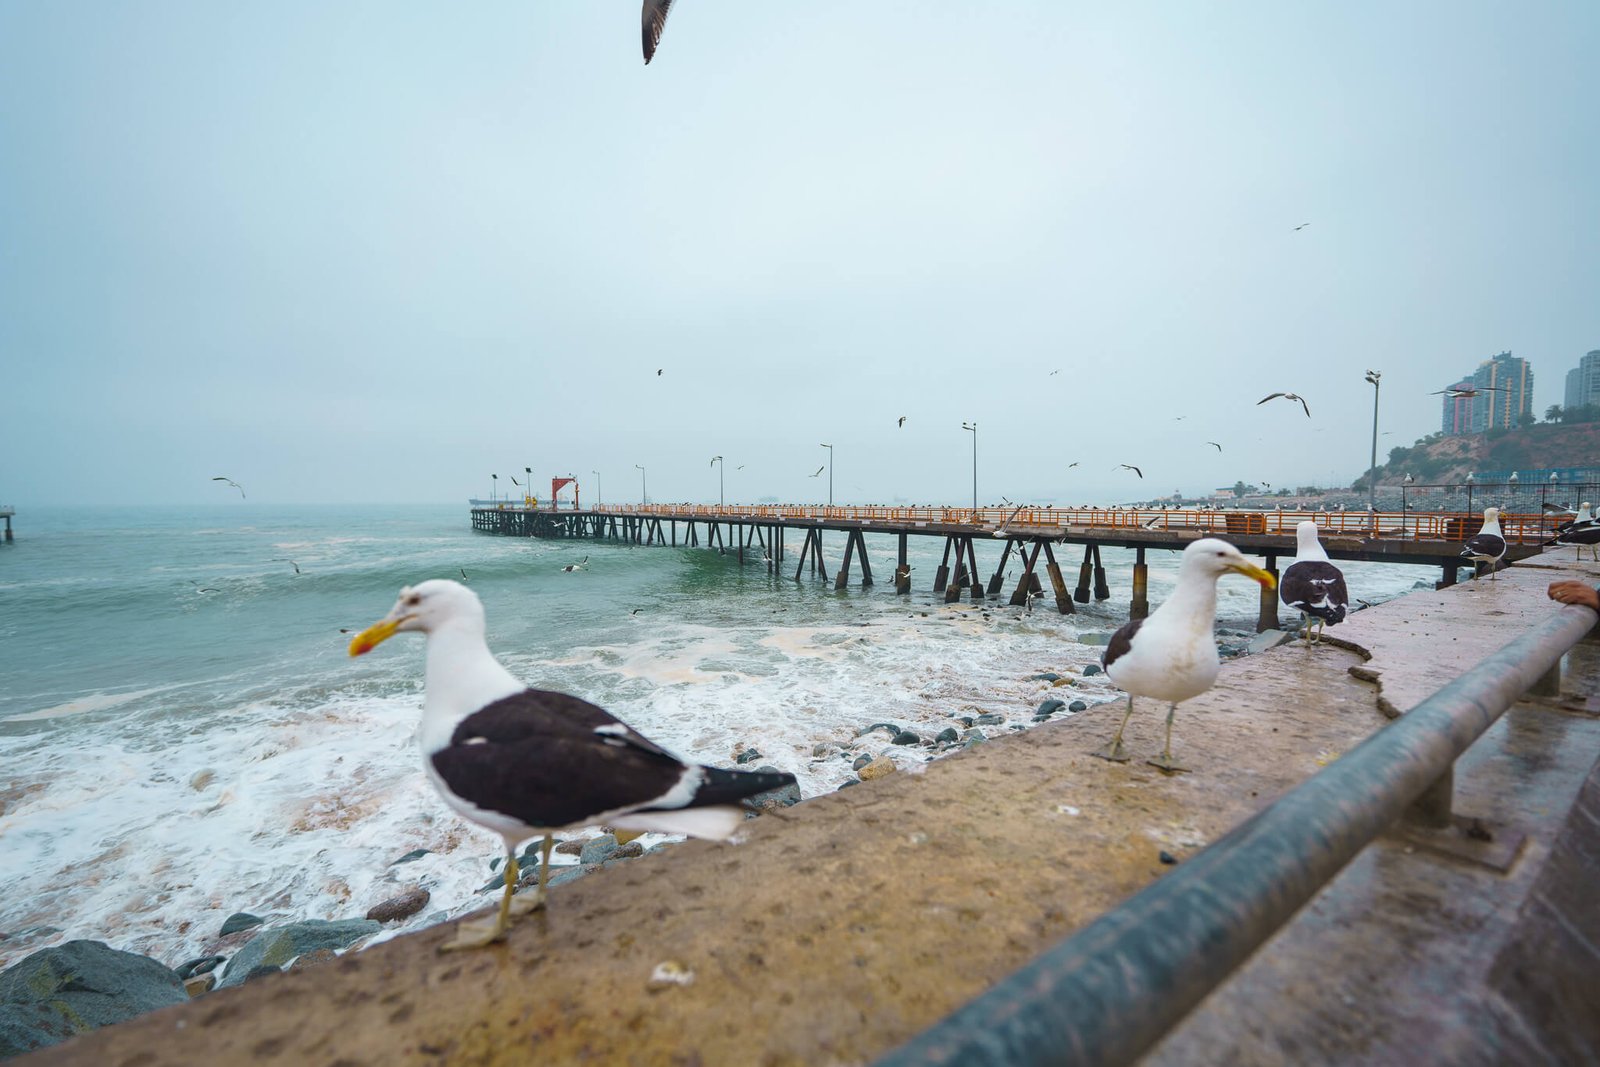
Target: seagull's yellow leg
x,y
476,933
1305,627
1114,751
535,900
1165,760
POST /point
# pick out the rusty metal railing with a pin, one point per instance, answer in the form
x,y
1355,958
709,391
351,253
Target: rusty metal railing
x,y
1108,993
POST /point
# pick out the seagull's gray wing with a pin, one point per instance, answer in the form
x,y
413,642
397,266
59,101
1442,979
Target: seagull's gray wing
x,y
653,20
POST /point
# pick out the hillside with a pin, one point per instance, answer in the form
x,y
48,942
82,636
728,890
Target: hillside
x,y
1441,459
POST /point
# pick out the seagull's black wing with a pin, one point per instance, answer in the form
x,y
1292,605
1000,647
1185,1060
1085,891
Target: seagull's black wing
x,y
1316,588
653,19
1269,396
1304,405
1121,642
1484,544
552,760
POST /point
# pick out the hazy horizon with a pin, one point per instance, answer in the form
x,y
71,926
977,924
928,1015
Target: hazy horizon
x,y
377,252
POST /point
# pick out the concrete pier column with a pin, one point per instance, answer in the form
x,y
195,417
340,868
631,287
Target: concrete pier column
x,y
1085,573
902,571
975,575
1448,578
1102,591
843,577
1432,808
943,573
1000,571
1140,608
1268,617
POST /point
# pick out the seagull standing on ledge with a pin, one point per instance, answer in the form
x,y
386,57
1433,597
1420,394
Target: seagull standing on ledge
x,y
524,762
1312,585
1488,544
1172,655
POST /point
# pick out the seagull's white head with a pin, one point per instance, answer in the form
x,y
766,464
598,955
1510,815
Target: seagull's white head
x,y
1212,557
423,607
1305,538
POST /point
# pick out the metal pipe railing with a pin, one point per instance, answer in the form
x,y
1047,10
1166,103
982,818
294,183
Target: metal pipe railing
x,y
1108,993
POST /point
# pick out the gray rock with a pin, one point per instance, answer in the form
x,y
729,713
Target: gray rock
x,y
1092,669
266,970
989,719
1047,676
566,874
1267,639
1078,705
860,761
572,847
891,727
203,965
277,945
749,755
412,856
199,984
403,906
240,920
598,849
949,733
1049,707
822,749
905,737
631,850
68,989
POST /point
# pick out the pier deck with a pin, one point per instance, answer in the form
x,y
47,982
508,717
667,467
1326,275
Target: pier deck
x,y
857,919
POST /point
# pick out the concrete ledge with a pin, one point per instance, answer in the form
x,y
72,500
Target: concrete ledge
x,y
854,920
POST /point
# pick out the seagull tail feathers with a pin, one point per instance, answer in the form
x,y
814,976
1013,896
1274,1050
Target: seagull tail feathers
x,y
715,823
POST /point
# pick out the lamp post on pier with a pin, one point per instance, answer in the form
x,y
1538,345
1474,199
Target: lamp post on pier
x,y
1512,482
494,488
1372,472
597,498
830,474
717,462
973,426
644,491
527,494
1543,489
1470,480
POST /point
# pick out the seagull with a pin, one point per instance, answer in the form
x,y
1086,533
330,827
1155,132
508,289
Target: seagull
x,y
658,372
654,19
291,563
1286,396
1214,445
230,481
525,762
463,574
1053,373
1467,394
1488,544
1172,654
819,470
1130,467
635,611
740,467
900,422
1312,585
1302,226
1071,465
198,588
582,564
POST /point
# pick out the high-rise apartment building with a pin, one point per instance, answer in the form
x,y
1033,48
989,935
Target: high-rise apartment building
x,y
1457,418
1505,399
1583,382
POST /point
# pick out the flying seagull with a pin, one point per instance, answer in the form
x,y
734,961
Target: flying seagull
x,y
463,574
1302,226
526,763
819,470
198,588
1286,396
901,421
1172,655
1074,463
1467,394
1214,445
230,481
290,562
654,19
1131,467
582,564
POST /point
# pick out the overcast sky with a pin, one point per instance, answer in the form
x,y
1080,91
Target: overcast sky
x,y
378,251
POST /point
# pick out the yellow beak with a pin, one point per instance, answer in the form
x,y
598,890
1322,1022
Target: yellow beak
x,y
373,636
1249,570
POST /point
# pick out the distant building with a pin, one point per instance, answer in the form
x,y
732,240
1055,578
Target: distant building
x,y
1457,411
1506,400
1583,382
1222,494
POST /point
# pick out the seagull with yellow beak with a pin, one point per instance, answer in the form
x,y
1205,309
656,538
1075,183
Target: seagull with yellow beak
x,y
1172,654
525,762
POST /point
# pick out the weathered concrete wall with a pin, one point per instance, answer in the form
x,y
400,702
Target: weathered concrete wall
x,y
854,920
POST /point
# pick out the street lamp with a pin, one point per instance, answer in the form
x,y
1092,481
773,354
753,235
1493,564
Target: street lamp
x,y
528,492
830,474
973,426
1555,480
1405,483
644,492
1470,480
597,499
494,488
715,460
1372,476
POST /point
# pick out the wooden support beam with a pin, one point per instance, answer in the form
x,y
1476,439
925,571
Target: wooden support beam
x,y
1025,584
952,592
805,552
1268,617
816,551
843,576
943,573
902,571
1063,601
972,570
866,565
1140,608
1000,571
1085,573
1102,591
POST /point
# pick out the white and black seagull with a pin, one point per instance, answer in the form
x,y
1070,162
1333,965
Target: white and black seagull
x,y
1582,530
1487,545
525,762
654,20
1286,396
1172,655
1312,585
581,565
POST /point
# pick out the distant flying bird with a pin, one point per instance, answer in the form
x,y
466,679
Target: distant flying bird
x,y
1214,445
1131,467
819,470
1053,373
1302,226
230,481
635,611
290,562
1286,396
654,20
514,481
901,421
658,372
581,565
740,467
1467,394
198,588
463,575
1071,465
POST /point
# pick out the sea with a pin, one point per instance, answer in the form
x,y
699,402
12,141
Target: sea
x,y
183,734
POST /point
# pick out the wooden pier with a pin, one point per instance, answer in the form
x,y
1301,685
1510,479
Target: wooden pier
x,y
759,534
6,512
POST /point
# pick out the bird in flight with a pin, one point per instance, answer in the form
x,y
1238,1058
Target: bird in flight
x,y
198,588
901,421
1053,373
1460,394
290,562
654,19
658,372
1074,463
463,574
1286,396
230,481
1131,467
1302,226
1214,445
819,470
